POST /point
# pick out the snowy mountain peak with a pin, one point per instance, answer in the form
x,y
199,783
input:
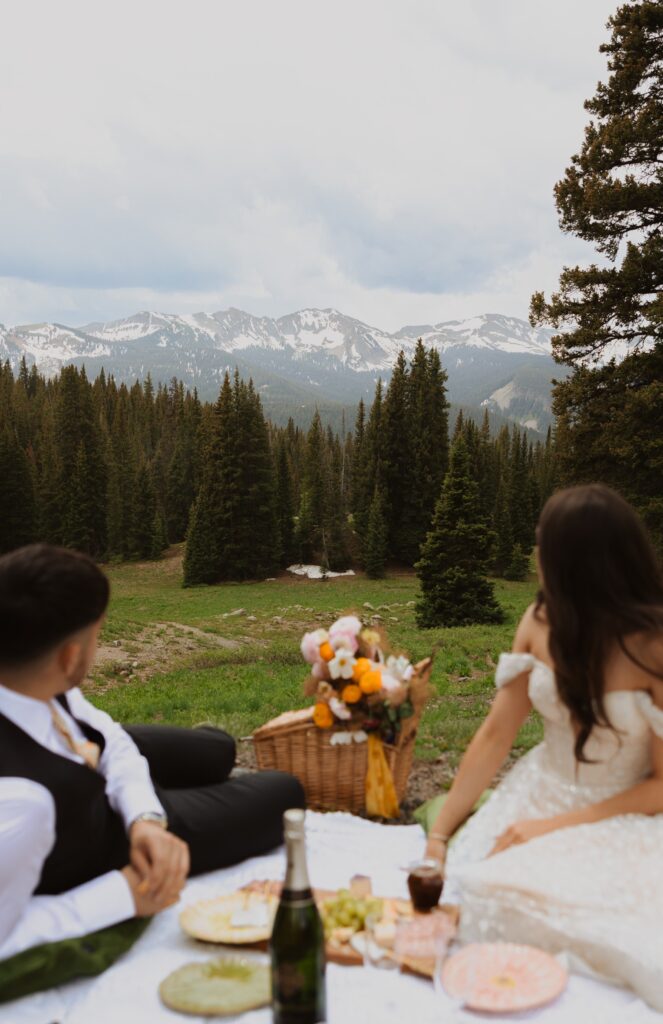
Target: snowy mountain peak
x,y
309,332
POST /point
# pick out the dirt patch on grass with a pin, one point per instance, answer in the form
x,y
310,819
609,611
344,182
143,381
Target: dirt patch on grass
x,y
157,648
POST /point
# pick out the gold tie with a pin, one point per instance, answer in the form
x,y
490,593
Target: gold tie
x,y
89,751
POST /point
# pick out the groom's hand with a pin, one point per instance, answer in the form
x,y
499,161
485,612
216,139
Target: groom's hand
x,y
160,859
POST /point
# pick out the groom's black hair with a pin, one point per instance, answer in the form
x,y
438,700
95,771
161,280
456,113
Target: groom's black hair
x,y
46,595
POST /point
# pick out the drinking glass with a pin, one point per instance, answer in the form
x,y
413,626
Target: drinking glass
x,y
377,956
465,981
384,969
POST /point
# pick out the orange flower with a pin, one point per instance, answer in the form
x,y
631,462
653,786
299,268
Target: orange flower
x,y
327,652
371,681
361,667
322,715
351,693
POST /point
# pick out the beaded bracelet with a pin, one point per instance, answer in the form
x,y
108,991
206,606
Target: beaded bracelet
x,y
440,838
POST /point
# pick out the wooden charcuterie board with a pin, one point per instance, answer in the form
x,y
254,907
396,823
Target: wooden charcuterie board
x,y
342,952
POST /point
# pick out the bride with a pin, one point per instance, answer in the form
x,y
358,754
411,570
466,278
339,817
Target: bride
x,y
568,852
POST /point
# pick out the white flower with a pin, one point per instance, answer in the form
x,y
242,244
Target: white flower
x,y
340,739
390,682
359,736
342,665
340,709
399,667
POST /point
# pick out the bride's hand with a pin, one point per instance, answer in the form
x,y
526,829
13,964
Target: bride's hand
x,y
522,832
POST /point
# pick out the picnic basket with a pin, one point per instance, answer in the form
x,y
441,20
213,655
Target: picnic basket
x,y
333,775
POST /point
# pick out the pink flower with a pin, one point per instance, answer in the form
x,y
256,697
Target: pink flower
x,y
344,641
310,645
347,624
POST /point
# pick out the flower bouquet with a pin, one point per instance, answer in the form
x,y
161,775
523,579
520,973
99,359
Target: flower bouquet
x,y
353,749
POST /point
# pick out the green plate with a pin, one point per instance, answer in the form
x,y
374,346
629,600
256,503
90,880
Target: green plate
x,y
222,987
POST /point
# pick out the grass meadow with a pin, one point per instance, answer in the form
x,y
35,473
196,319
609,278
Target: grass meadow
x,y
179,656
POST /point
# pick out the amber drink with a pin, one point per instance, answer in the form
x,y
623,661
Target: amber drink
x,y
425,883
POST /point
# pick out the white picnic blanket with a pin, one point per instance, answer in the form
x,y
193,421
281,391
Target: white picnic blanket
x,y
339,846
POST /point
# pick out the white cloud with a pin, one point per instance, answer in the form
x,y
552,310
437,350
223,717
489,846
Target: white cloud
x,y
394,160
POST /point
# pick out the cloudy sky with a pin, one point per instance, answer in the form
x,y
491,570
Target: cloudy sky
x,y
391,158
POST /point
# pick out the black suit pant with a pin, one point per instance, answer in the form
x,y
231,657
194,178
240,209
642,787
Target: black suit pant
x,y
224,820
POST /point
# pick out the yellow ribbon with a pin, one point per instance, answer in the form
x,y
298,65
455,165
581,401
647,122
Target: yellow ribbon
x,y
381,799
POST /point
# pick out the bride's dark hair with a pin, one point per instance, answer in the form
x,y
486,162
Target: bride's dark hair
x,y
601,582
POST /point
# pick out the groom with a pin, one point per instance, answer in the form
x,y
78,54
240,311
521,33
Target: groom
x,y
100,823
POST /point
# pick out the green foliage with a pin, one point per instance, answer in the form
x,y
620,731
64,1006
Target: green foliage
x,y
375,547
518,566
503,533
610,416
233,533
455,589
115,471
610,428
612,195
240,689
17,498
285,506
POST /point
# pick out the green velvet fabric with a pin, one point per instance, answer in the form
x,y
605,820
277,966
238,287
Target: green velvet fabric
x,y
426,814
56,963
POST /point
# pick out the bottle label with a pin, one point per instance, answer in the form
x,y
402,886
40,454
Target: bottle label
x,y
290,981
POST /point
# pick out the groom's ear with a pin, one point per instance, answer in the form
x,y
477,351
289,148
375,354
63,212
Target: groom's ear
x,y
68,656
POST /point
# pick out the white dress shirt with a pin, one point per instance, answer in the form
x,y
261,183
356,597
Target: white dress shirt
x,y
27,828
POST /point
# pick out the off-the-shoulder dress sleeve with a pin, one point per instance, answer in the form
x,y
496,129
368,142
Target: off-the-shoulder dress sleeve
x,y
511,665
650,711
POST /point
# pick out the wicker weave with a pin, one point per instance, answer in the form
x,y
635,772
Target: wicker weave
x,y
333,777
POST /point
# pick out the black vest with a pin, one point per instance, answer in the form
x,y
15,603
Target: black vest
x,y
89,836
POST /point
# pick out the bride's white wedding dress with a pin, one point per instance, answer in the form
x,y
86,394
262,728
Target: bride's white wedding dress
x,y
595,890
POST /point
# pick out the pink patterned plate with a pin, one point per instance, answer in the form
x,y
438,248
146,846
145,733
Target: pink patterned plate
x,y
503,978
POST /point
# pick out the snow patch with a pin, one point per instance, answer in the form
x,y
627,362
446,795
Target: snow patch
x,y
316,572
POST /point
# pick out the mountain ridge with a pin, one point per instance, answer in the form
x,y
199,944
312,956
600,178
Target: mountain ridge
x,y
331,355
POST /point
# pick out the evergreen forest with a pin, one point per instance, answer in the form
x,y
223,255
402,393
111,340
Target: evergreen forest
x,y
121,473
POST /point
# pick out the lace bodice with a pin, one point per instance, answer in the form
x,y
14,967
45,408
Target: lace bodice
x,y
620,759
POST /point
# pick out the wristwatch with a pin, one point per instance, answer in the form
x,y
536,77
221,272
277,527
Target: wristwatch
x,y
154,818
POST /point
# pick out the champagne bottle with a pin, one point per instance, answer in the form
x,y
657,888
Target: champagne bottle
x,y
297,947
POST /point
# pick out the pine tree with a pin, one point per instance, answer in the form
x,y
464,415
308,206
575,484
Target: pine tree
x,y
503,550
18,516
397,459
428,427
159,535
518,566
335,551
311,519
213,511
285,506
612,195
375,546
452,571
142,539
201,560
254,537
373,461
609,413
520,512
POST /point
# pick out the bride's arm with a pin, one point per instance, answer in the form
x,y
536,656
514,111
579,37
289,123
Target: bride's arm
x,y
485,754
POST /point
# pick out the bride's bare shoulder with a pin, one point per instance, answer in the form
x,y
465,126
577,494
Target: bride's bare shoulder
x,y
532,629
